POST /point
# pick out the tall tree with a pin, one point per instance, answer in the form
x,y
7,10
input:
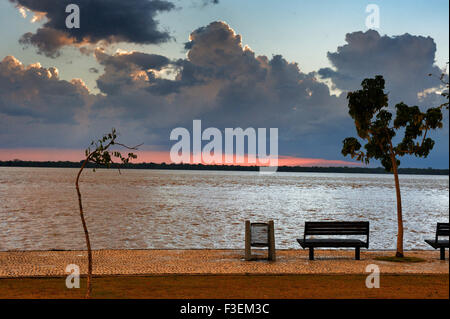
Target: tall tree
x,y
99,153
373,122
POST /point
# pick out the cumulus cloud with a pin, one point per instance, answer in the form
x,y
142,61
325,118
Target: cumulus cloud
x,y
222,82
38,94
128,70
38,109
107,21
405,62
218,50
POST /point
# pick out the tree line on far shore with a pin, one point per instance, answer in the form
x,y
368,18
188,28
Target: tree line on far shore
x,y
172,166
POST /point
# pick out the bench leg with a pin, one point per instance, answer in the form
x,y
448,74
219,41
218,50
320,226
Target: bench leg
x,y
311,253
357,253
442,253
271,241
248,236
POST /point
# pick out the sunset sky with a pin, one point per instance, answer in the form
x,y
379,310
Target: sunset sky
x,y
147,67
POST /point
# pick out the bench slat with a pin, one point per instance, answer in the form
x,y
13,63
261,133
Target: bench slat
x,y
336,228
442,229
329,242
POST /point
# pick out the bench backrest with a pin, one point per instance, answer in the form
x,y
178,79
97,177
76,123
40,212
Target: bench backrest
x,y
337,228
442,229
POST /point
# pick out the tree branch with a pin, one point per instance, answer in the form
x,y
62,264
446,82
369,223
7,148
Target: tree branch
x,y
424,136
129,147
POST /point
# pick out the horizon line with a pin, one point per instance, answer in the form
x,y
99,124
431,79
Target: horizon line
x,y
225,165
148,156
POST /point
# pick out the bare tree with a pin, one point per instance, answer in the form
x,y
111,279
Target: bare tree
x,y
99,152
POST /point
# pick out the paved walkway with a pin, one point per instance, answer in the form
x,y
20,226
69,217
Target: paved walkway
x,y
164,262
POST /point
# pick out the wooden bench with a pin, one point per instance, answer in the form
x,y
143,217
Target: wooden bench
x,y
334,229
442,229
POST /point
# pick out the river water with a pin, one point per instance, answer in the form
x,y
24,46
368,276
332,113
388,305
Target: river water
x,y
167,209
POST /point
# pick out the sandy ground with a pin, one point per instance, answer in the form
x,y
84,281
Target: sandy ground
x,y
15,264
233,287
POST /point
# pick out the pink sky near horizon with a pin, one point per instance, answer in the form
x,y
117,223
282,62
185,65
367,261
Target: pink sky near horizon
x,y
44,154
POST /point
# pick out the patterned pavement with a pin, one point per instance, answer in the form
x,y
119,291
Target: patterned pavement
x,y
164,262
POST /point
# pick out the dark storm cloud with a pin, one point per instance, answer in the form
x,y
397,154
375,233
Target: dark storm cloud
x,y
218,50
38,94
128,70
405,62
142,60
221,82
48,41
100,20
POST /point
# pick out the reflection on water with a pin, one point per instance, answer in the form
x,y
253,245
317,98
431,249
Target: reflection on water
x,y
205,209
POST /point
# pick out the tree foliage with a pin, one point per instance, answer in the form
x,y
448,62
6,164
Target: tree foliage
x,y
99,151
373,122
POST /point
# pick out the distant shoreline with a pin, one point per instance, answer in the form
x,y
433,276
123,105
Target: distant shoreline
x,y
313,169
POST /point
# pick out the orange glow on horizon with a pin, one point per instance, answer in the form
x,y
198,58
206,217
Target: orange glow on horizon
x,y
44,154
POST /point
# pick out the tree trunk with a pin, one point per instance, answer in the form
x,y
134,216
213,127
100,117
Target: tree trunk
x,y
86,233
399,252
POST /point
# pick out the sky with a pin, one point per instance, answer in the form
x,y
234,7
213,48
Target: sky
x,y
147,67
